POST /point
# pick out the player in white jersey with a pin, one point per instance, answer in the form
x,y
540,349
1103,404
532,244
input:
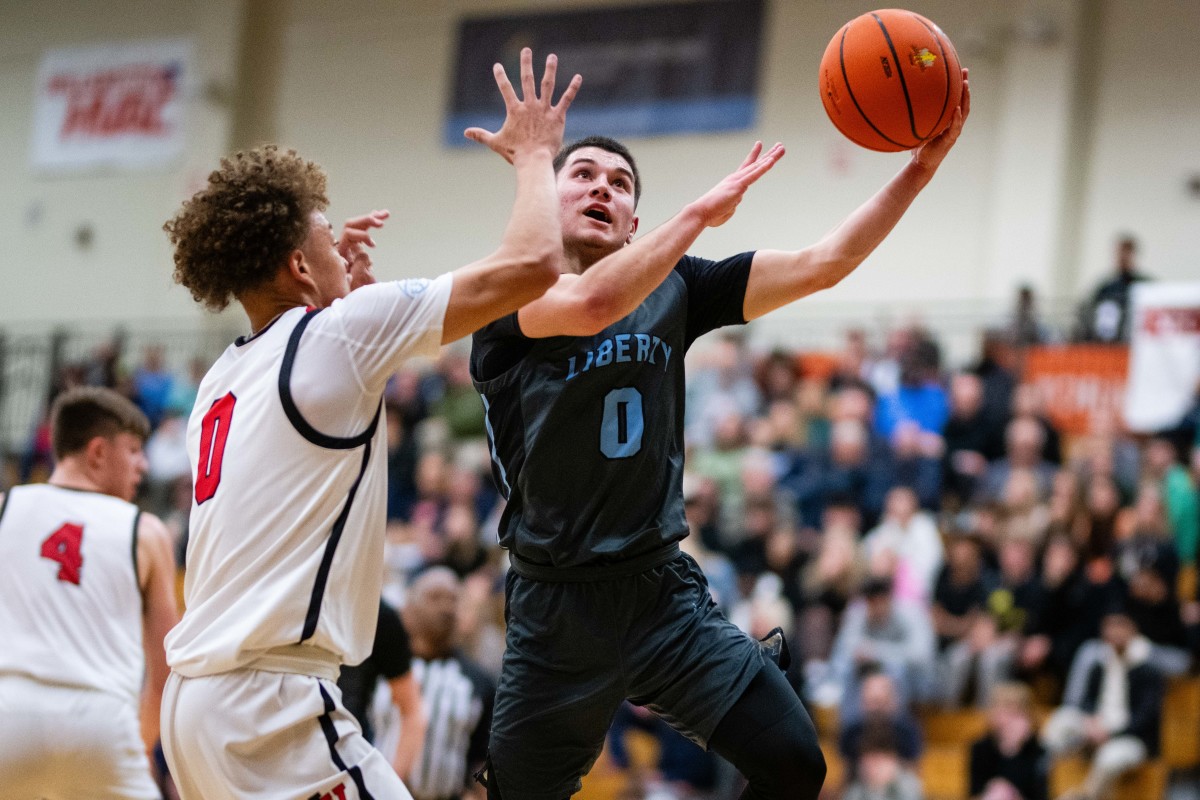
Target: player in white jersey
x,y
288,449
86,597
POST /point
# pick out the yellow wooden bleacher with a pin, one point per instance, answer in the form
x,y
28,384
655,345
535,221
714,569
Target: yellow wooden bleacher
x,y
1147,782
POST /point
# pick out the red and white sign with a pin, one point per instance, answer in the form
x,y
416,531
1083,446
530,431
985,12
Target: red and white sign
x,y
118,105
1164,362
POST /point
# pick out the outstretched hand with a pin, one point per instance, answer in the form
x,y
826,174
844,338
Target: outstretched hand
x,y
930,154
717,205
353,246
532,122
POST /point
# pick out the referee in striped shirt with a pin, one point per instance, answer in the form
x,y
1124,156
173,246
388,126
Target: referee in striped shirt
x,y
456,692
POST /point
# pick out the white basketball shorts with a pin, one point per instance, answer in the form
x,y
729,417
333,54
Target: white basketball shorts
x,y
256,735
61,743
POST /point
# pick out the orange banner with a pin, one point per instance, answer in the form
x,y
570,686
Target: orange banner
x,y
1081,384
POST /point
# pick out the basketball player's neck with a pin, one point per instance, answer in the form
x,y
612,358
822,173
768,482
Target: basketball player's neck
x,y
69,473
577,260
265,303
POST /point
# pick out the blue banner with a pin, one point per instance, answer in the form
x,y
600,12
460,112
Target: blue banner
x,y
647,70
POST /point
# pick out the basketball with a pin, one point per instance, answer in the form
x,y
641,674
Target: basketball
x,y
890,80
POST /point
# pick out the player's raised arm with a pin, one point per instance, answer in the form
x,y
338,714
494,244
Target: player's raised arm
x,y
527,261
779,277
612,287
156,580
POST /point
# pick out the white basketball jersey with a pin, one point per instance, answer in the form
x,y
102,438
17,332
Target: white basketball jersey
x,y
70,605
289,461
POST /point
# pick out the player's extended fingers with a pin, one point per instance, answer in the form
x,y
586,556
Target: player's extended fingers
x,y
506,88
373,220
569,93
528,88
480,135
548,79
356,236
965,104
754,153
752,172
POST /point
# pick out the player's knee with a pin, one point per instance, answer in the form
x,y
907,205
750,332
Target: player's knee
x,y
798,770
786,763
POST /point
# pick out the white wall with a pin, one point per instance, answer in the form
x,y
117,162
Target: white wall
x,y
1147,140
363,91
125,274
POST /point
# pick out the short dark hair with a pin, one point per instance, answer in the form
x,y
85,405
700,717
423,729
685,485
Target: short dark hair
x,y
237,232
80,415
610,145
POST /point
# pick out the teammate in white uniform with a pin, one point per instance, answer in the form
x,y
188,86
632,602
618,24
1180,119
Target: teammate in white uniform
x,y
86,597
284,561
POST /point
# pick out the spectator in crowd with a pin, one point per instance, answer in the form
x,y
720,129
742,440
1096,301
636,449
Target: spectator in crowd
x,y
917,464
1095,532
1105,317
1110,452
998,368
920,398
722,461
1068,615
972,438
402,454
961,592
907,537
777,376
457,692
185,387
1178,492
1009,763
973,666
1021,502
884,374
1119,715
167,454
880,633
881,773
391,662
829,582
1026,328
855,363
459,405
702,507
1028,401
847,469
1065,506
152,384
720,384
880,707
1024,443
717,568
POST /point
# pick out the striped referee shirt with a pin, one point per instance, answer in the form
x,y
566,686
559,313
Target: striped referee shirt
x,y
458,697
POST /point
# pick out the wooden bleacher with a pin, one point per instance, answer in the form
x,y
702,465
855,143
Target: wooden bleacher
x,y
1147,782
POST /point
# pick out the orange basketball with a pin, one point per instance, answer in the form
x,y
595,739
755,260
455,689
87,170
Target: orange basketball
x,y
890,80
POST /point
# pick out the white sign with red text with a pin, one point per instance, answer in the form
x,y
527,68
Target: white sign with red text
x,y
113,105
1164,362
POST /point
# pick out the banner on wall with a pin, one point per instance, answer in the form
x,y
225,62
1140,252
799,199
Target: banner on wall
x,y
1082,385
647,70
1164,365
113,105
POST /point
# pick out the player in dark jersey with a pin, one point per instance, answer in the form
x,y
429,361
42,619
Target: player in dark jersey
x,y
584,391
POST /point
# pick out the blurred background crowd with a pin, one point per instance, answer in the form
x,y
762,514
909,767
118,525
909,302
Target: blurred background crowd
x,y
937,550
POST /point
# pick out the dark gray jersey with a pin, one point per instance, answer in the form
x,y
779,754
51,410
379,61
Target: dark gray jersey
x,y
586,432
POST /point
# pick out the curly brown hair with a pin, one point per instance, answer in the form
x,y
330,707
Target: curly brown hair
x,y
238,231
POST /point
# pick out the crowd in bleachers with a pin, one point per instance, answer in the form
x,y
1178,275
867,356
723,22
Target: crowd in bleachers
x,y
926,536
